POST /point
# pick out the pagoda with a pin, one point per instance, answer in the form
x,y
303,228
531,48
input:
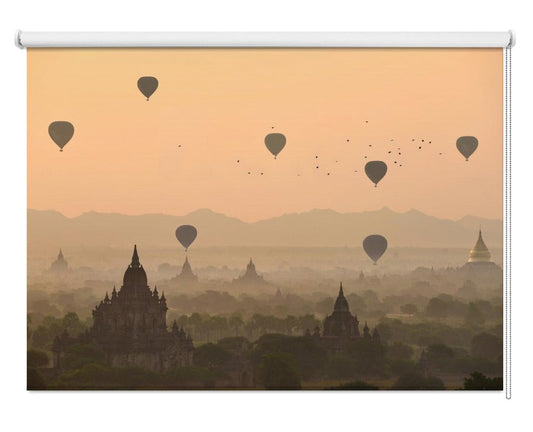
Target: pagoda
x,y
479,255
130,327
250,276
60,265
186,275
341,323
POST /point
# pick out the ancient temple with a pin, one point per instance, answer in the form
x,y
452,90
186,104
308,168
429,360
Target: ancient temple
x,y
250,276
130,327
341,328
480,255
60,265
186,275
341,323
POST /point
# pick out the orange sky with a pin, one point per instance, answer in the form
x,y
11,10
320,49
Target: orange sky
x,y
219,104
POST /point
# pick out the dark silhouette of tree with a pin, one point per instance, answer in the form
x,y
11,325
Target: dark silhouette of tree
x,y
437,308
439,356
278,372
478,381
51,327
79,355
400,351
237,345
488,346
474,316
37,358
35,380
309,357
235,323
369,356
211,356
305,322
400,358
341,366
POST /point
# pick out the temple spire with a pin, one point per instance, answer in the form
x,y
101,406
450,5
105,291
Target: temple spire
x,y
341,304
135,258
366,331
480,252
250,266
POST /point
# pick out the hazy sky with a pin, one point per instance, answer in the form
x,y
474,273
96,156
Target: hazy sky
x,y
218,105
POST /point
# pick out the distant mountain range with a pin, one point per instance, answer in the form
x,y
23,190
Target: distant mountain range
x,y
315,228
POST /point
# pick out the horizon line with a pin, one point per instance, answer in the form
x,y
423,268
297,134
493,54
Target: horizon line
x,y
384,208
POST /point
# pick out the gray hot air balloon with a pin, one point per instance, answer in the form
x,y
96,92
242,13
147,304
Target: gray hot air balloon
x,y
375,246
275,143
375,171
61,132
147,85
467,145
186,234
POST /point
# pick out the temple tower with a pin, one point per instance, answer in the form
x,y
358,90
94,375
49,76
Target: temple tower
x,y
60,265
479,253
341,323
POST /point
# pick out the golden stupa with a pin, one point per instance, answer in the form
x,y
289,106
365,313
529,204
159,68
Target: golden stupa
x,y
479,253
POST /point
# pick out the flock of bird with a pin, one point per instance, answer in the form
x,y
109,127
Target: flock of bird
x,y
375,169
61,133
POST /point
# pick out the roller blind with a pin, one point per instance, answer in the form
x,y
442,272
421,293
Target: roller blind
x,y
269,210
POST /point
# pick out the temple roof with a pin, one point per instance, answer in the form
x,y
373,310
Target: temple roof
x,y
186,269
135,274
60,264
251,266
341,304
480,252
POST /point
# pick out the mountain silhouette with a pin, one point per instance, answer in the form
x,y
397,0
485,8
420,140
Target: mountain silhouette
x,y
315,228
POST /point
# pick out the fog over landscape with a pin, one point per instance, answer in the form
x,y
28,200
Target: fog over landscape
x,y
323,240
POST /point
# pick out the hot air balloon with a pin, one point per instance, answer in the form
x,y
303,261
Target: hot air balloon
x,y
147,85
467,145
186,234
275,142
375,246
61,132
375,171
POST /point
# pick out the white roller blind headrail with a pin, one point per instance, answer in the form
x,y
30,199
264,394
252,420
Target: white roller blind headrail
x,y
25,39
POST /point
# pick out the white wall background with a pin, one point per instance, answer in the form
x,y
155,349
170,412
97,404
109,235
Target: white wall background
x,y
261,411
